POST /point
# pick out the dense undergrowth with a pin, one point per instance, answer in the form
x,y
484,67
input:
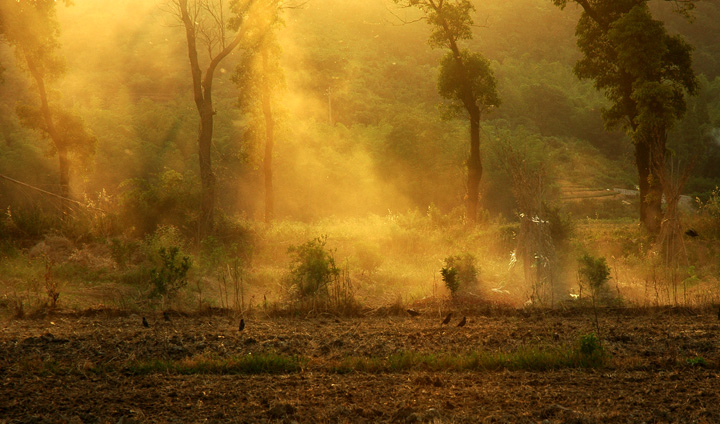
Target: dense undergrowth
x,y
346,266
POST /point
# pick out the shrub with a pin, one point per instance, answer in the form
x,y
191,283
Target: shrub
x,y
171,276
594,275
235,235
312,269
592,353
460,272
29,222
125,251
167,198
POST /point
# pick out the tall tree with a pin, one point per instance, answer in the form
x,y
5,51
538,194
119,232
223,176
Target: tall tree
x,y
220,31
258,76
465,78
645,73
31,27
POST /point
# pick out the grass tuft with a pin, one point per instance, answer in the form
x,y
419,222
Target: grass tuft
x,y
268,363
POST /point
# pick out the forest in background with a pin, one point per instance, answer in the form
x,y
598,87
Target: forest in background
x,y
364,152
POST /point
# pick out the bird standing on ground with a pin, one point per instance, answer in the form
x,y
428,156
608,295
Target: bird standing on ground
x,y
691,233
462,322
145,323
413,313
166,316
447,318
242,324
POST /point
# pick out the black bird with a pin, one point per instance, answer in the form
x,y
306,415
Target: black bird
x,y
413,313
447,318
462,322
145,323
166,316
691,233
242,324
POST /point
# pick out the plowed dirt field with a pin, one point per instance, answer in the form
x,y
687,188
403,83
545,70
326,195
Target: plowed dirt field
x,y
662,366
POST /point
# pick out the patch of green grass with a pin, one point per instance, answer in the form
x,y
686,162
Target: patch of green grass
x,y
269,363
697,362
527,359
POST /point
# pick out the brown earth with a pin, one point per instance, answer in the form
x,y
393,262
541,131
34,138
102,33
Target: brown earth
x,y
74,368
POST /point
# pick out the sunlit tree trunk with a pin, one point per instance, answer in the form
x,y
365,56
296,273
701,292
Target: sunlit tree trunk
x,y
650,187
202,94
269,140
474,165
58,142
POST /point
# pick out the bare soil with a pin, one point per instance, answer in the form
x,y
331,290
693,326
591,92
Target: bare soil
x,y
74,368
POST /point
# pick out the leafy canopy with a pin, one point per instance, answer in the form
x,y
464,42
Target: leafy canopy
x,y
476,77
644,71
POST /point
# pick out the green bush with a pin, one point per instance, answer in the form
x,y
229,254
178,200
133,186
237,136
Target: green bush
x,y
592,353
171,276
29,222
460,272
312,269
594,274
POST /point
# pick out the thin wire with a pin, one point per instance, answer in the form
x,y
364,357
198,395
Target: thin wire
x,y
49,193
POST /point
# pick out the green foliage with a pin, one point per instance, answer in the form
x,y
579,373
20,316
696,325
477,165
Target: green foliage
x,y
264,363
588,354
451,19
591,351
171,276
124,251
644,71
312,268
474,76
165,199
595,272
449,276
28,222
697,362
460,272
70,129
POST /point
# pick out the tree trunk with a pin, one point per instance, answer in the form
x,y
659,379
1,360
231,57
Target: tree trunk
x,y
474,162
58,142
474,165
207,177
64,167
269,141
650,187
202,94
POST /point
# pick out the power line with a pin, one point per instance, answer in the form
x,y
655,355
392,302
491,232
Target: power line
x,y
50,193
